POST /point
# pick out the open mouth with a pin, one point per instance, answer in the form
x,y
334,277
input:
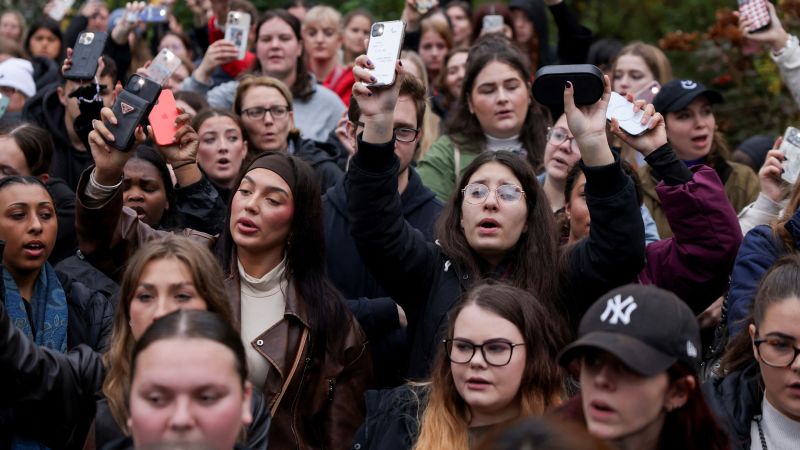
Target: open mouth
x,y
33,246
488,224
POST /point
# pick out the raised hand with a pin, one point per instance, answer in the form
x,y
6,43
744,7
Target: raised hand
x,y
588,125
109,162
650,140
775,35
769,176
218,53
376,103
185,144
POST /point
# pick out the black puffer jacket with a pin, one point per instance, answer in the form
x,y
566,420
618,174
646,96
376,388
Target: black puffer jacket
x,y
66,240
91,314
736,399
321,156
392,420
422,280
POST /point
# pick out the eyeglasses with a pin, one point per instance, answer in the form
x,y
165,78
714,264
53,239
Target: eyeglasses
x,y
477,193
495,352
777,352
258,112
558,135
402,134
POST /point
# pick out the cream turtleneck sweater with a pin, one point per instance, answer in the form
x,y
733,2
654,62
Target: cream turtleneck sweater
x,y
263,303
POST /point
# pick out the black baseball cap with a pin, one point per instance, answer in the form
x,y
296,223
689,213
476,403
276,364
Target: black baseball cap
x,y
647,328
677,94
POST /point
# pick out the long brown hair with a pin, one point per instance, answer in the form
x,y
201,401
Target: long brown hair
x,y
464,128
208,281
536,249
446,418
301,88
653,57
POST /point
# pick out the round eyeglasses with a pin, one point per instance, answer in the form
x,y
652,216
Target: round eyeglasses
x,y
477,193
776,351
258,112
496,352
402,134
558,135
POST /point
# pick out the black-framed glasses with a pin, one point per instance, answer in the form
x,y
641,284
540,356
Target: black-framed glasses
x,y
776,351
258,112
557,136
402,134
477,193
496,352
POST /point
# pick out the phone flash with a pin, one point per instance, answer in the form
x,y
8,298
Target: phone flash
x,y
655,90
140,82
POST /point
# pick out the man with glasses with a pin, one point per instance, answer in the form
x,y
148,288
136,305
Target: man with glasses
x,y
377,313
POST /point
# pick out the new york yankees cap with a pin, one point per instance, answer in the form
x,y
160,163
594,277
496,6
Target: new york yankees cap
x,y
647,328
677,94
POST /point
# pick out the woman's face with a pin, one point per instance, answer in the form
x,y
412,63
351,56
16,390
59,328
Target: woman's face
x,y
461,23
432,50
500,99
781,326
560,158
143,190
322,40
278,48
523,27
354,35
10,27
577,211
188,390
631,74
491,392
44,43
267,133
165,285
262,210
691,130
222,150
619,403
12,160
174,81
456,69
493,227
174,44
28,225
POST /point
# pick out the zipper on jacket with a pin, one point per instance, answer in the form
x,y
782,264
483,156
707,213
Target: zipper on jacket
x,y
296,398
331,386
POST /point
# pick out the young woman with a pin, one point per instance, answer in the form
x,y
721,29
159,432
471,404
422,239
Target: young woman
x,y
322,41
435,41
451,82
266,108
44,39
636,358
164,276
304,346
222,148
756,390
498,113
692,132
147,189
279,54
498,364
356,26
460,16
12,25
496,225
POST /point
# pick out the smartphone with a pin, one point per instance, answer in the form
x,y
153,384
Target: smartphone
x,y
162,118
423,6
88,49
163,65
621,109
385,44
649,92
4,101
154,14
131,109
791,154
237,29
758,12
492,23
59,9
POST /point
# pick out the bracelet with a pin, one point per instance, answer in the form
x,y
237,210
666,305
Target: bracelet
x,y
93,182
186,163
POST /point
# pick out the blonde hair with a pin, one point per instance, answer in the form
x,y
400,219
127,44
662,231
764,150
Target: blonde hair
x,y
653,57
208,279
439,25
252,81
323,15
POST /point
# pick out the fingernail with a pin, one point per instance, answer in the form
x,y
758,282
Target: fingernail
x,y
373,79
369,62
569,84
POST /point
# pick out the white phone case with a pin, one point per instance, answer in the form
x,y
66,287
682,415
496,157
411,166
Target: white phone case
x,y
163,65
621,109
60,8
385,43
791,154
237,29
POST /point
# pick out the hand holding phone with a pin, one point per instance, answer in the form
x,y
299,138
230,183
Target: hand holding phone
x,y
385,44
492,23
162,118
162,66
131,109
757,12
649,92
237,29
88,49
622,110
791,155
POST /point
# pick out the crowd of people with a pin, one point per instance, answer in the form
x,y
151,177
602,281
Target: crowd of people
x,y
316,261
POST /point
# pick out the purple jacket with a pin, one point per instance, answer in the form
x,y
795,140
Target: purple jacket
x,y
695,263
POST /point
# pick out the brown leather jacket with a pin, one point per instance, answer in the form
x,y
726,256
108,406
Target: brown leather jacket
x,y
317,400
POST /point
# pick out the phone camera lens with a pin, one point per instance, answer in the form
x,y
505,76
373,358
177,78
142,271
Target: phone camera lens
x,y
377,30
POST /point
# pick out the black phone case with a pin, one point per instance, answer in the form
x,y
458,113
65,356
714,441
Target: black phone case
x,y
587,80
129,110
84,58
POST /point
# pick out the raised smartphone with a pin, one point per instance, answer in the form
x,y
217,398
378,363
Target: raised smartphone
x,y
385,44
621,109
237,29
649,92
59,9
88,49
757,11
154,14
131,109
791,154
162,118
163,65
492,23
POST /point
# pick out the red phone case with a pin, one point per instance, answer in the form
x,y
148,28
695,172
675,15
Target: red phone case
x,y
162,118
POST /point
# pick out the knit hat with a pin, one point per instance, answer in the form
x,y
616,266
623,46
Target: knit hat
x,y
17,73
756,147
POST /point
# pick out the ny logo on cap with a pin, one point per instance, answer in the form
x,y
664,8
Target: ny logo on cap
x,y
691,351
688,84
619,310
126,108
